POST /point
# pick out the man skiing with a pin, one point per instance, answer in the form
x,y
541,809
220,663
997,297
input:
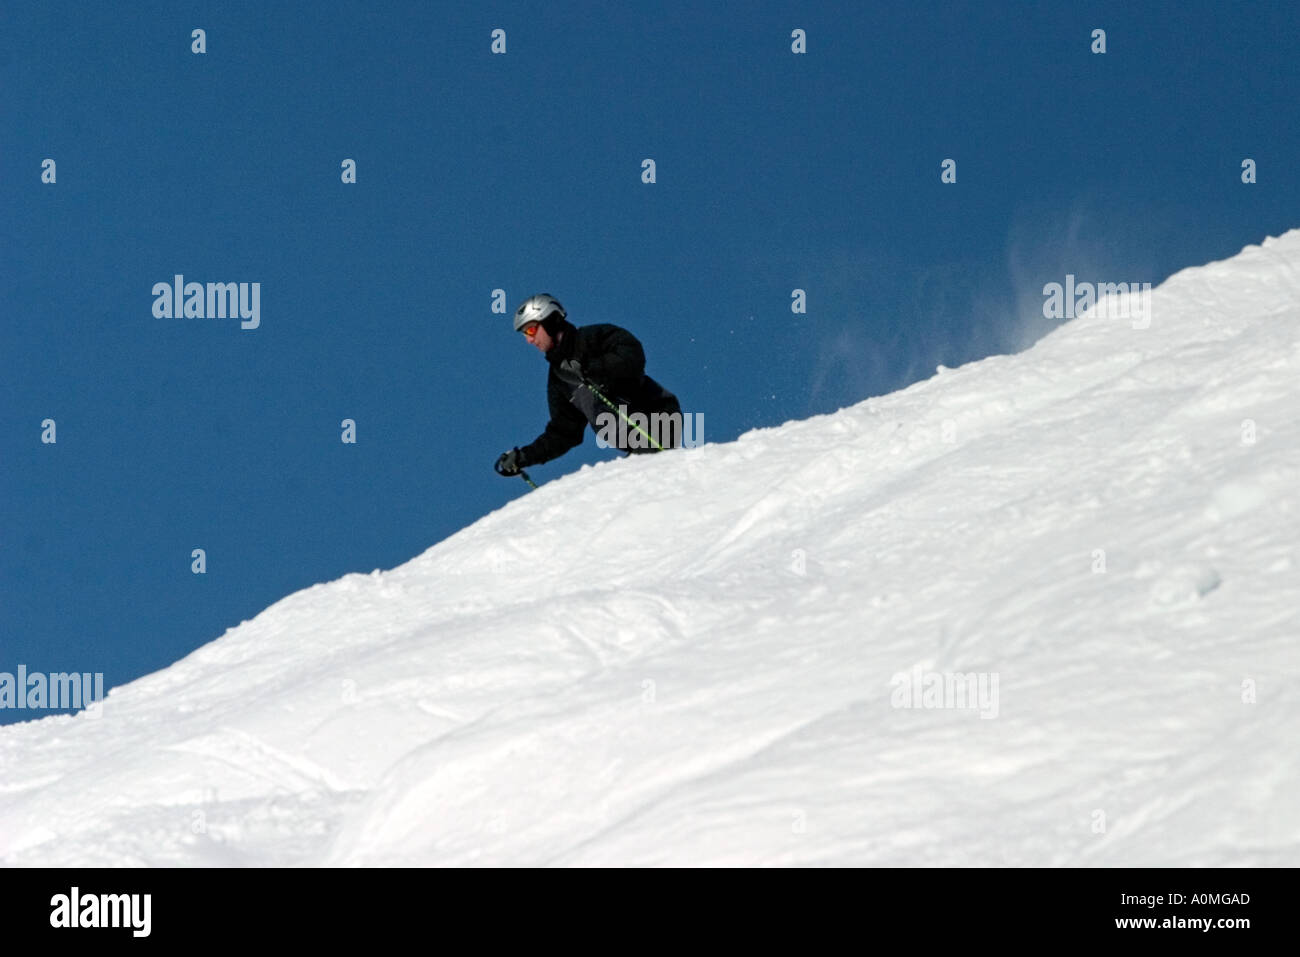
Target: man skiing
x,y
592,368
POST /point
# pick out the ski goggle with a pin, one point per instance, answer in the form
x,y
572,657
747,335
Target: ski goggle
x,y
530,331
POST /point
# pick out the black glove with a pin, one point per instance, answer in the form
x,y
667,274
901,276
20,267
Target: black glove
x,y
572,367
510,462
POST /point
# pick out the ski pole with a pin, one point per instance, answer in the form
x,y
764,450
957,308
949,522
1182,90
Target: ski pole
x,y
597,393
524,475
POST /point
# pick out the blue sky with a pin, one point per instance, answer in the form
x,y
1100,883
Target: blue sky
x,y
522,172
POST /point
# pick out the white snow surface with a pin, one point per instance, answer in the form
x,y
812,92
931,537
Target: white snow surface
x,y
694,658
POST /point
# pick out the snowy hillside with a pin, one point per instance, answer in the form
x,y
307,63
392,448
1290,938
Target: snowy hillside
x,y
704,657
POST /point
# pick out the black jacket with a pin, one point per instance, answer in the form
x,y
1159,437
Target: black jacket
x,y
612,359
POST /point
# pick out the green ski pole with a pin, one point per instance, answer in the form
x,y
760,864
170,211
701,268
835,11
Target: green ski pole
x,y
597,393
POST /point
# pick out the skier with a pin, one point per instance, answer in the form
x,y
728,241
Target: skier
x,y
592,368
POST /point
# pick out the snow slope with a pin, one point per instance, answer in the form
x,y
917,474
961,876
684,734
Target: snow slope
x,y
690,658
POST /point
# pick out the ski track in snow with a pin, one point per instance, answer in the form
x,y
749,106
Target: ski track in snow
x,y
703,676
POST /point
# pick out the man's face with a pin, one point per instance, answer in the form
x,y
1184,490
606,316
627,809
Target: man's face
x,y
536,335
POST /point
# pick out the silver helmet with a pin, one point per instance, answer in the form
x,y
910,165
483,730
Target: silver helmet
x,y
537,308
